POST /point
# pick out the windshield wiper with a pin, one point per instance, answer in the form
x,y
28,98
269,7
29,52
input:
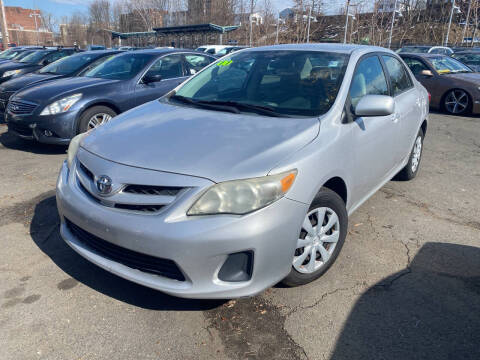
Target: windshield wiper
x,y
205,104
48,72
263,110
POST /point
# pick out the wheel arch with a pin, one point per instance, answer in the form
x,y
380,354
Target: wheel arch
x,y
93,104
337,185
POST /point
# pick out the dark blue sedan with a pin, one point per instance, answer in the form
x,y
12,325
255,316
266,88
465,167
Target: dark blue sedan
x,y
55,111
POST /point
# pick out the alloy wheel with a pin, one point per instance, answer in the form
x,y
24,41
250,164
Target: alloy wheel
x,y
456,101
417,153
317,241
97,120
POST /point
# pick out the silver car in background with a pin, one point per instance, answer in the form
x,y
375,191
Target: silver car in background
x,y
245,174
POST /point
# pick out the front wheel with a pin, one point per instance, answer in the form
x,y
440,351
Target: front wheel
x,y
94,117
320,240
457,102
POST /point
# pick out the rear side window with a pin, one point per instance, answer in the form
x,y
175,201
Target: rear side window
x,y
168,67
196,62
369,79
416,66
398,75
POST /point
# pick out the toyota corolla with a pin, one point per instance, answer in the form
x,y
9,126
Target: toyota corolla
x,y
244,175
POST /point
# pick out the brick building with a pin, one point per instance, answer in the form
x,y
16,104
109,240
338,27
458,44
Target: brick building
x,y
21,27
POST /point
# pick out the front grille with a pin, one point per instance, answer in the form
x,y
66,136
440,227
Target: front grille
x,y
139,208
152,190
87,172
20,129
21,107
135,260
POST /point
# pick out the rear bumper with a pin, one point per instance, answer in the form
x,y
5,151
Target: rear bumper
x,y
198,245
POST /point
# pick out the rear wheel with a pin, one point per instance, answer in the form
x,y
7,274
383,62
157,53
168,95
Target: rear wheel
x,y
95,117
457,102
411,169
320,240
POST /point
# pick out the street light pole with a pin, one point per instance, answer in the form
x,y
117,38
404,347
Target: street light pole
x,y
278,24
449,23
250,18
393,22
308,27
466,21
346,23
34,15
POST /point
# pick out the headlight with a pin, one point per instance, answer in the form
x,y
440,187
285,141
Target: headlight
x,y
243,196
61,105
11,73
73,148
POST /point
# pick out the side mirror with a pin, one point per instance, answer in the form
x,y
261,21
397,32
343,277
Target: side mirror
x,y
375,105
147,79
45,62
427,73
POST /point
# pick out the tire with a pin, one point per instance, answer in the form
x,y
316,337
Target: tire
x,y
333,204
86,119
411,169
457,102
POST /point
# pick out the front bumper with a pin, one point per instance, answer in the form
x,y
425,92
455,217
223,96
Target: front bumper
x,y
198,245
33,127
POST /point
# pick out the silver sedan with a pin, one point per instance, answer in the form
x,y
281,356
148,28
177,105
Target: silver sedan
x,y
244,175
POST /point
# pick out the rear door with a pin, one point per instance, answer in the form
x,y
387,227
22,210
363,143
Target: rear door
x,y
373,138
408,105
171,68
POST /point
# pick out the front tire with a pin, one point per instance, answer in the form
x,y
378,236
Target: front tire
x,y
411,169
94,117
320,240
457,102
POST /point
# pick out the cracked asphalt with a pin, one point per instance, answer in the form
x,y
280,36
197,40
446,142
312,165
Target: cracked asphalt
x,y
406,285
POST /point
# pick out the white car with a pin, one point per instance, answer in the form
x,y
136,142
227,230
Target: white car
x,y
211,49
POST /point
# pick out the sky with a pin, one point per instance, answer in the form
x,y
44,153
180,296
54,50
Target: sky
x,y
61,8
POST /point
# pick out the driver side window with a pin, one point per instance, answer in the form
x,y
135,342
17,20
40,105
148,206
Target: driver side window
x,y
369,79
168,67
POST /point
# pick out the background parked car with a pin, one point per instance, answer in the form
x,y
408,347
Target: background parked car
x,y
470,58
32,62
16,54
63,68
211,49
426,49
229,50
453,86
55,111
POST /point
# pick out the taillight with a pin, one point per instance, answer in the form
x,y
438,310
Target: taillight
x,y
429,97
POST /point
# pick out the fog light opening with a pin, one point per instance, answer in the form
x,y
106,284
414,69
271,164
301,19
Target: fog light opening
x,y
238,267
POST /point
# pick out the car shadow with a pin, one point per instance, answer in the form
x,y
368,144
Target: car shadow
x,y
10,141
45,232
428,311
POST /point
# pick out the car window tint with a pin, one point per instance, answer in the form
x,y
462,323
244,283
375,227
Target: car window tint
x,y
416,66
168,67
196,62
50,58
120,67
399,78
369,79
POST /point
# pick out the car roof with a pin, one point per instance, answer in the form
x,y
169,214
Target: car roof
x,y
157,51
422,55
111,51
331,47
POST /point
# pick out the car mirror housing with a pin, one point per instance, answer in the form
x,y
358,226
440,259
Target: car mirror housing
x,y
375,105
147,79
426,73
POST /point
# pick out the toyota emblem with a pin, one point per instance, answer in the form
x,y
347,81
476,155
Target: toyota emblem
x,y
104,185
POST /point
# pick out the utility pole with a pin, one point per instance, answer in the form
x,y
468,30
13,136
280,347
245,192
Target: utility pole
x,y
250,20
466,21
346,22
309,17
5,38
449,23
393,23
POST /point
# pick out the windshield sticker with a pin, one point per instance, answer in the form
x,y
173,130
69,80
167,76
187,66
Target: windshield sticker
x,y
443,71
225,62
333,64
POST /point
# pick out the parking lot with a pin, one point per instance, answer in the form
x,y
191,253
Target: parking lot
x,y
406,285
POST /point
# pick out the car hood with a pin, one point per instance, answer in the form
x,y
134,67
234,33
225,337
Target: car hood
x,y
59,88
215,145
28,79
12,65
470,77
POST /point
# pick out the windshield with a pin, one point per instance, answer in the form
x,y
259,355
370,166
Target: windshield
x,y
447,65
301,83
121,67
11,55
469,59
414,49
34,57
68,65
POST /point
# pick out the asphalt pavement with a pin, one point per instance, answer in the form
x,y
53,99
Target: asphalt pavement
x,y
406,285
